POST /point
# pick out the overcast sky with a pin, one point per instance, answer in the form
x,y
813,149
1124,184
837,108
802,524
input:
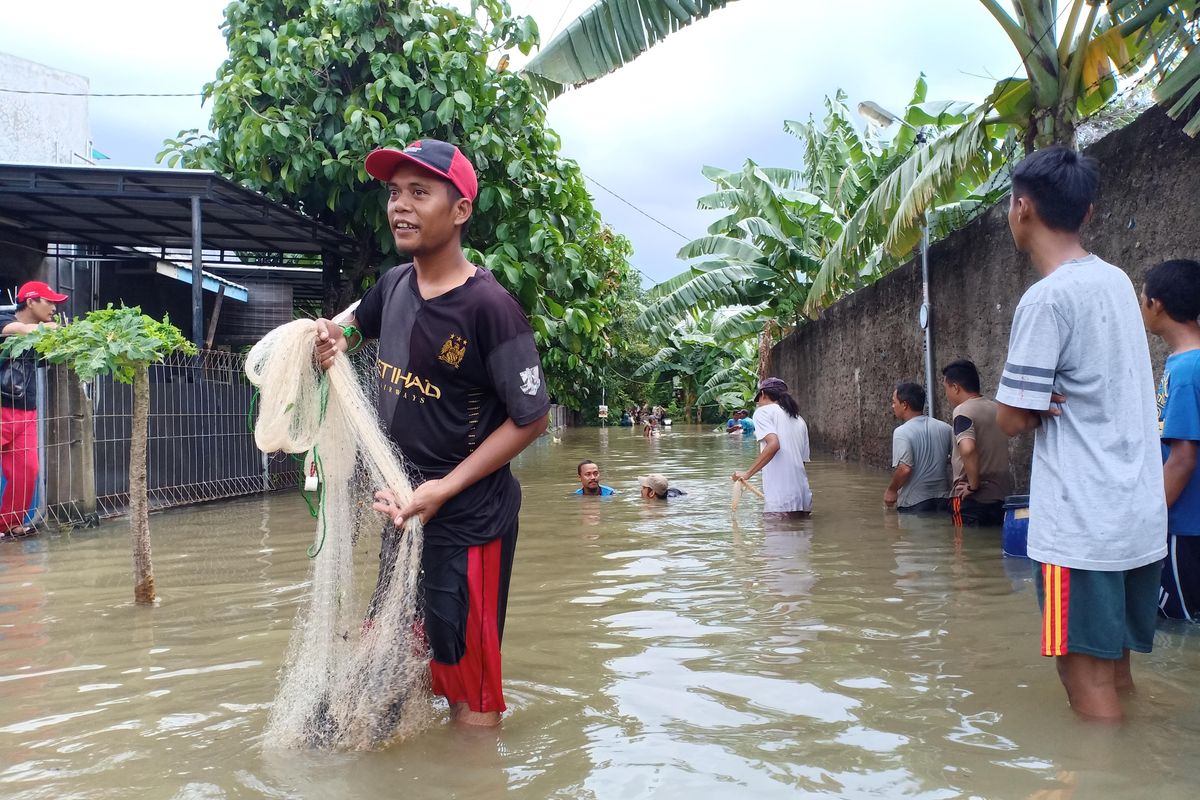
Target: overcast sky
x,y
715,93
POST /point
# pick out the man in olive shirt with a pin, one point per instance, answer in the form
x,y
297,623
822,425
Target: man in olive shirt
x,y
980,456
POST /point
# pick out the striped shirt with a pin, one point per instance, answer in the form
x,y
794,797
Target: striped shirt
x,y
1096,490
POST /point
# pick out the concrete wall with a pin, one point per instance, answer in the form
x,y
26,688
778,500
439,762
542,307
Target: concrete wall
x,y
843,367
39,128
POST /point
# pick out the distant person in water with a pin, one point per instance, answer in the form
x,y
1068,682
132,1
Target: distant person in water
x,y
589,477
656,487
743,419
920,455
782,436
980,458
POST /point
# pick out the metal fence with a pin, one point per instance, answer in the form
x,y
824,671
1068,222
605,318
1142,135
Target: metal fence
x,y
200,444
200,447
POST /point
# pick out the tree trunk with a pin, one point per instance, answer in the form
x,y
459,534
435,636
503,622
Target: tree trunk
x,y
764,350
331,285
139,500
1051,126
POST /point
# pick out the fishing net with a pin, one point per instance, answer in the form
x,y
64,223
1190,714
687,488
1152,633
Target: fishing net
x,y
355,677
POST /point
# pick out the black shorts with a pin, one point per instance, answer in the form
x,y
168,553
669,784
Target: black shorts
x,y
970,513
934,505
1179,591
464,596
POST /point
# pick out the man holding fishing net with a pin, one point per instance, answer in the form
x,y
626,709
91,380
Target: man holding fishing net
x,y
461,392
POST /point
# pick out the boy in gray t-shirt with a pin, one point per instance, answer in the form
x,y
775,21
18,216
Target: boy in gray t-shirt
x,y
1078,375
920,455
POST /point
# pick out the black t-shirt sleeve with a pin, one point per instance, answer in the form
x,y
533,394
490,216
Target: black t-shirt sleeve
x,y
6,317
512,359
369,313
516,372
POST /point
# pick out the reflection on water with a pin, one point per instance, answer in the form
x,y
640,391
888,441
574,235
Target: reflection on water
x,y
652,650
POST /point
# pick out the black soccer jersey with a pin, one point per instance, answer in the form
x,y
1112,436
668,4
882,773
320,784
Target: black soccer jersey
x,y
451,369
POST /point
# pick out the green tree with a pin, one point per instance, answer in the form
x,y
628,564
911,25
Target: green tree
x,y
121,343
310,87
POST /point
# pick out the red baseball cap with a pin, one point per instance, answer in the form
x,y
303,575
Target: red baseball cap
x,y
441,158
36,289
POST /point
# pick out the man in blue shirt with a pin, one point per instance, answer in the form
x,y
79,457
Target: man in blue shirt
x,y
1170,305
746,421
589,476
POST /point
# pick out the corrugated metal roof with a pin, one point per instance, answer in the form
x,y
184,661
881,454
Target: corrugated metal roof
x,y
128,207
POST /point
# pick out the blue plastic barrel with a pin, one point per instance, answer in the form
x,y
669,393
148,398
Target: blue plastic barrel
x,y
1016,525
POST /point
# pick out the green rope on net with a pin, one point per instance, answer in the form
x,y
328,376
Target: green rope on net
x,y
319,509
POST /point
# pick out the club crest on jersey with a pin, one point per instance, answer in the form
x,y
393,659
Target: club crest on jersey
x,y
453,351
531,381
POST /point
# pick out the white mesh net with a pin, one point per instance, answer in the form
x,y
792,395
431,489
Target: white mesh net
x,y
347,683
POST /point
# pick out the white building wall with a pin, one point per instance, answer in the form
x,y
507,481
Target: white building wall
x,y
42,128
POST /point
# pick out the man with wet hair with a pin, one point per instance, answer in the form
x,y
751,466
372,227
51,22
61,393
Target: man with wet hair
x,y
981,478
920,455
589,477
1170,305
462,392
1078,376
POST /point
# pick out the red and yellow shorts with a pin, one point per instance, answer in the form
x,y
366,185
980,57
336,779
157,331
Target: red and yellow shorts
x,y
1099,614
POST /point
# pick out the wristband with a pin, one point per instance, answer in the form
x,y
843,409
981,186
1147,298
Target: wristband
x,y
349,331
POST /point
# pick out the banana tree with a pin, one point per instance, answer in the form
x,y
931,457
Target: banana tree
x,y
763,255
607,36
1072,74
1069,76
710,368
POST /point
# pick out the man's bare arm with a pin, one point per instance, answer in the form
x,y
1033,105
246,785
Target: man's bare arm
x,y
1181,463
499,448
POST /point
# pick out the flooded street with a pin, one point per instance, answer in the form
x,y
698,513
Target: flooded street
x,y
665,650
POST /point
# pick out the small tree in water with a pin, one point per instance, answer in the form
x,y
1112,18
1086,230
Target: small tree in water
x,y
123,343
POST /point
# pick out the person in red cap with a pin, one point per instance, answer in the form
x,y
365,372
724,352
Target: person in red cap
x,y
36,304
462,392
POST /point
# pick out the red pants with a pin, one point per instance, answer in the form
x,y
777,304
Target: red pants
x,y
19,463
474,677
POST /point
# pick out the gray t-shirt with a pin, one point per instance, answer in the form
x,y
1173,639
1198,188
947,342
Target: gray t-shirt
x,y
1096,490
923,444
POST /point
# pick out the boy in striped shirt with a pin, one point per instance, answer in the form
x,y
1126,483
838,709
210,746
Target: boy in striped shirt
x,y
1078,375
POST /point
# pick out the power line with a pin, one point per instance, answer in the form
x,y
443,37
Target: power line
x,y
645,214
100,94
566,8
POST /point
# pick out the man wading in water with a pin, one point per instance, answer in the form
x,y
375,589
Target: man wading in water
x,y
1078,376
461,391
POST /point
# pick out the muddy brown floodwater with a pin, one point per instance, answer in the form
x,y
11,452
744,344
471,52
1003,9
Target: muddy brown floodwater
x,y
667,650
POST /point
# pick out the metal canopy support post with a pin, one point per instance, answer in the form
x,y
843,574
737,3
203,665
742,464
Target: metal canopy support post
x,y
197,275
927,320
